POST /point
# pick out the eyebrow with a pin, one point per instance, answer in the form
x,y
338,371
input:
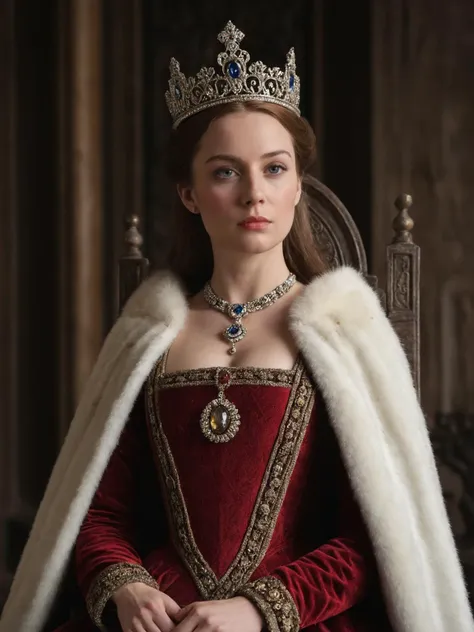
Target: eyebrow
x,y
230,158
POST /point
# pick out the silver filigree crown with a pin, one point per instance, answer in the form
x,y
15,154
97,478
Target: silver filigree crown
x,y
235,81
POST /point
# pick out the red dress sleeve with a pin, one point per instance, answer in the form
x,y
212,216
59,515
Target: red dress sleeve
x,y
322,586
334,577
106,553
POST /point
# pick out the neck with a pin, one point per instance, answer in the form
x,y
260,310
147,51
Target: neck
x,y
244,278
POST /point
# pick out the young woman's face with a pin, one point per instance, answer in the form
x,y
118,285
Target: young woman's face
x,y
245,184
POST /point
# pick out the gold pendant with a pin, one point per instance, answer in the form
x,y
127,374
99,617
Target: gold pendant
x,y
220,419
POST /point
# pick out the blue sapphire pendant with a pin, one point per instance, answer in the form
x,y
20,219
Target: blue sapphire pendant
x,y
237,311
233,334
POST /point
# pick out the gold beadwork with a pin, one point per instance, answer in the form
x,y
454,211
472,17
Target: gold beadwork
x,y
271,494
275,603
108,581
240,376
235,81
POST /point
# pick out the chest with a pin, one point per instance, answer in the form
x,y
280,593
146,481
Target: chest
x,y
267,342
233,492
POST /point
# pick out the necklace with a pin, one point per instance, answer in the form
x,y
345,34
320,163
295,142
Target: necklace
x,y
237,311
220,419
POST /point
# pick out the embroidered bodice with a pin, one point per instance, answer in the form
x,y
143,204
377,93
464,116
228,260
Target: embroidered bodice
x,y
225,499
268,515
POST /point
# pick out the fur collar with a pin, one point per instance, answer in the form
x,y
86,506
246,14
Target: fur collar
x,y
357,361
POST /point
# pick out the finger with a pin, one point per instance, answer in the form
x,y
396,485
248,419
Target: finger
x,y
163,622
171,607
146,624
183,613
188,624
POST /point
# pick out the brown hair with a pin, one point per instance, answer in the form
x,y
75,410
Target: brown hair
x,y
190,256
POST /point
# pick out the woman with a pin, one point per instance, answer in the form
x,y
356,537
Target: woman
x,y
294,466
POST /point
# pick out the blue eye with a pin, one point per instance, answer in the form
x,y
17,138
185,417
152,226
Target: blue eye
x,y
225,173
275,170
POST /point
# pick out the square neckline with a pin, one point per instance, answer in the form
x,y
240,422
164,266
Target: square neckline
x,y
231,369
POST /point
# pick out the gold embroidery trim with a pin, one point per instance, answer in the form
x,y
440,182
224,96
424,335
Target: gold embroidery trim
x,y
274,602
240,376
269,499
108,581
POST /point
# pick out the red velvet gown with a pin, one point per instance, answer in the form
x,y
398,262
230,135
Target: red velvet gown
x,y
206,520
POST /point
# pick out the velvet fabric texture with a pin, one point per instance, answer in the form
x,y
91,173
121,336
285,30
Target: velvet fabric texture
x,y
354,356
319,547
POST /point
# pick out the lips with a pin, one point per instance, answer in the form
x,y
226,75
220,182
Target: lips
x,y
255,221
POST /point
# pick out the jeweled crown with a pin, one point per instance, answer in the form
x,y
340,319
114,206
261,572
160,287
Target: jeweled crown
x,y
235,81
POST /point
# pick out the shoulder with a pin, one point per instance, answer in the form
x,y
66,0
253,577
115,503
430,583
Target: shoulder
x,y
339,313
342,298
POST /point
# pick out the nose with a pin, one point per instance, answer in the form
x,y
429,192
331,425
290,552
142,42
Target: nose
x,y
253,191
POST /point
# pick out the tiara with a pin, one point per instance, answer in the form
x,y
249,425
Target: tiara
x,y
235,81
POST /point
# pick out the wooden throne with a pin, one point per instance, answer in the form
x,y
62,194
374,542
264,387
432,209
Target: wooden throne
x,y
341,244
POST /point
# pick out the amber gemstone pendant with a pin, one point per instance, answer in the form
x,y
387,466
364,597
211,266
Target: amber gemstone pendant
x,y
220,419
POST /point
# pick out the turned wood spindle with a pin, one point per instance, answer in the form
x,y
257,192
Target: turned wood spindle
x,y
133,266
133,240
403,223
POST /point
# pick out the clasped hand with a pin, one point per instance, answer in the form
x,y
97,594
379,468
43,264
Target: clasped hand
x,y
141,608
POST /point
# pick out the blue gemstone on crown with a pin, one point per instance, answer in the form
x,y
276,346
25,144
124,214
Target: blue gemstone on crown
x,y
235,78
233,70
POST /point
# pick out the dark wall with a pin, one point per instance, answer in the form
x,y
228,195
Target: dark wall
x,y
28,284
347,98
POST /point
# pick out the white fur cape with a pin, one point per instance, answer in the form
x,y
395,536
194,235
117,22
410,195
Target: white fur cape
x,y
357,361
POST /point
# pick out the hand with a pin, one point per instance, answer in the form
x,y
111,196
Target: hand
x,y
229,615
141,608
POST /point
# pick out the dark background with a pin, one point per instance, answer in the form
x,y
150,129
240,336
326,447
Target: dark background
x,y
388,87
